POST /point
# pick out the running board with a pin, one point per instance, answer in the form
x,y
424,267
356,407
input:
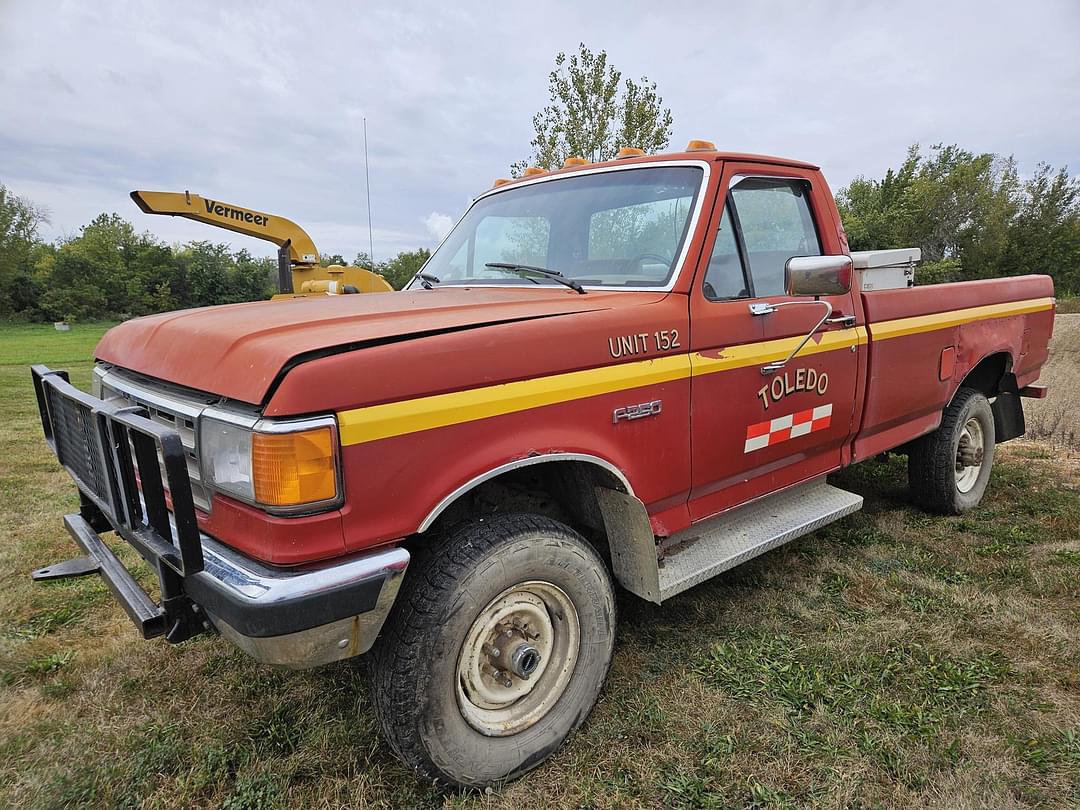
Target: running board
x,y
729,539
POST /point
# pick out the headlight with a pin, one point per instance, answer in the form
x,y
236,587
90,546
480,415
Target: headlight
x,y
225,452
280,466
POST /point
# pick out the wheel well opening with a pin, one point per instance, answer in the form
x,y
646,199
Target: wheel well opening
x,y
990,376
560,489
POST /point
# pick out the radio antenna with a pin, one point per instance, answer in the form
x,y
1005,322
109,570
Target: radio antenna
x,y
367,184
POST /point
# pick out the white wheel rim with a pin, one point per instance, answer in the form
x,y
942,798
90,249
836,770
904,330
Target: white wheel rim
x,y
533,624
970,452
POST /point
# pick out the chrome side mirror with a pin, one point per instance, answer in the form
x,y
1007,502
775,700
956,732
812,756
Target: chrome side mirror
x,y
817,275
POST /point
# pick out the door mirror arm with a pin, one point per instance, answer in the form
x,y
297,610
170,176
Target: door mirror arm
x,y
765,309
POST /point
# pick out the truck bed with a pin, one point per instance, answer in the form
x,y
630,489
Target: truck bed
x,y
923,341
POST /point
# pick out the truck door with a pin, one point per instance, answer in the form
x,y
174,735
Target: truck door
x,y
755,431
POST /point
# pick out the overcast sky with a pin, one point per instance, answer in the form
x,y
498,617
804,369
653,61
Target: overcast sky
x,y
261,104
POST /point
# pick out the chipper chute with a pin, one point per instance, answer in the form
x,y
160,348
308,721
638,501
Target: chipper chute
x,y
299,271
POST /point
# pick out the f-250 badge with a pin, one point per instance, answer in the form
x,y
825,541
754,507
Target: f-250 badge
x,y
790,382
639,411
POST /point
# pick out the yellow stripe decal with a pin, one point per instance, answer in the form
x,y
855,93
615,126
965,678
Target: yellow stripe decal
x,y
943,320
440,410
753,354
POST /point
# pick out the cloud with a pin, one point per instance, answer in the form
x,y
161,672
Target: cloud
x,y
438,225
218,99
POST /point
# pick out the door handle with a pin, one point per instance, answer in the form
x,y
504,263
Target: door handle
x,y
768,309
847,321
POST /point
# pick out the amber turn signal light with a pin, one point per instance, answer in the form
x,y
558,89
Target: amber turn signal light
x,y
291,469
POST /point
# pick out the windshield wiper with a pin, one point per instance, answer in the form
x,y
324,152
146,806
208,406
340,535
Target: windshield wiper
x,y
554,275
426,280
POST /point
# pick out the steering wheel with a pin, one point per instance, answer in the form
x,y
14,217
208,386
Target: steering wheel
x,y
638,260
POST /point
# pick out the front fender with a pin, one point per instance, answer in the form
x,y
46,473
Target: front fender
x,y
398,486
517,464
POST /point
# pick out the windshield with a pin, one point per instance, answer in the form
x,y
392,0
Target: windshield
x,y
620,228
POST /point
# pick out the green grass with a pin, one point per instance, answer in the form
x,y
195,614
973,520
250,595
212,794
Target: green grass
x,y
25,344
893,659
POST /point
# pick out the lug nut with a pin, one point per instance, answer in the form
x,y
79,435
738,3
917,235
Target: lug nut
x,y
523,628
497,675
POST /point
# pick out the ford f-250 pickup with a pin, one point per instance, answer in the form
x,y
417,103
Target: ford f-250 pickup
x,y
635,372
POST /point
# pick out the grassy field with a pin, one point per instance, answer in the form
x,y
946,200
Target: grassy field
x,y
891,660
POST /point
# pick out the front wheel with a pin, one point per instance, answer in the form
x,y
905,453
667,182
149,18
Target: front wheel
x,y
496,649
948,470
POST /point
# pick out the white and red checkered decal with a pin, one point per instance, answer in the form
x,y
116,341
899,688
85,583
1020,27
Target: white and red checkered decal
x,y
773,431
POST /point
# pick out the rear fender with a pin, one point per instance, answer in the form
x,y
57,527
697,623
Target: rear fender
x,y
993,376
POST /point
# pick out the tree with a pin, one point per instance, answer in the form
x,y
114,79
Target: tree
x,y
593,113
252,279
943,202
403,267
110,270
971,216
19,222
1044,236
217,276
90,274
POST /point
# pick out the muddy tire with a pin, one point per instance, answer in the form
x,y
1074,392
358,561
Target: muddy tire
x,y
948,469
495,651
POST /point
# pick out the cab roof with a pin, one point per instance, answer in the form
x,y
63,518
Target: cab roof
x,y
574,165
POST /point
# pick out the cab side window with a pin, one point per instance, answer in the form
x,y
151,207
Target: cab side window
x,y
725,277
776,223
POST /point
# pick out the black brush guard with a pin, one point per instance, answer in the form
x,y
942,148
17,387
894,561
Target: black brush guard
x,y
113,453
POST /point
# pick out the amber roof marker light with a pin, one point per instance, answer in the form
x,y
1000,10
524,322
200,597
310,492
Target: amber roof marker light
x,y
699,145
629,152
571,162
532,171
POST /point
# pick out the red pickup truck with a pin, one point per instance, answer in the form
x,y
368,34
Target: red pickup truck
x,y
635,372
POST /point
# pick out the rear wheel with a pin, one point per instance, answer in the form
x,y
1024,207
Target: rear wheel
x,y
948,470
496,649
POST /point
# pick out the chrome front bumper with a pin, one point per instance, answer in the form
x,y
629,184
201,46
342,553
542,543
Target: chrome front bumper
x,y
298,617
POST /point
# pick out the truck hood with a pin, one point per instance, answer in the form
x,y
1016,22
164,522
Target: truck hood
x,y
238,350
